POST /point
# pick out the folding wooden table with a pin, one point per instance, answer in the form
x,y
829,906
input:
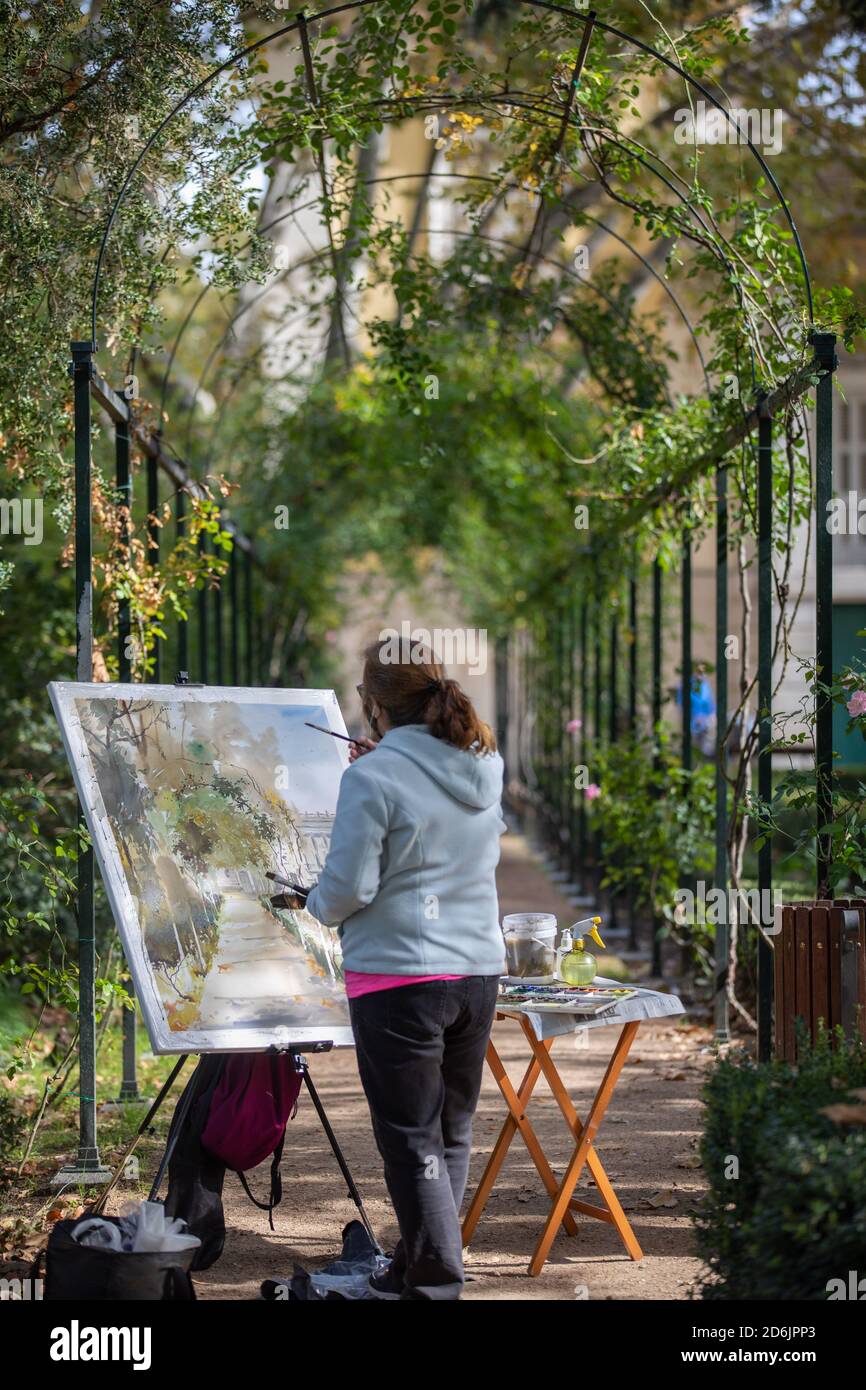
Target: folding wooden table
x,y
540,1030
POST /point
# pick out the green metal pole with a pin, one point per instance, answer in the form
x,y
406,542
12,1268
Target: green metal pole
x,y
656,965
123,484
183,625
87,1167
571,744
218,630
234,620
203,666
686,654
123,489
248,617
825,352
632,655
583,677
632,725
765,716
153,537
612,673
657,648
597,729
612,711
721,944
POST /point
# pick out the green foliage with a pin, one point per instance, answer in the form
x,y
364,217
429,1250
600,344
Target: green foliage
x,y
792,1215
655,819
791,815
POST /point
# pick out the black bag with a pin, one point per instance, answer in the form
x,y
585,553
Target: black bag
x,y
195,1177
81,1272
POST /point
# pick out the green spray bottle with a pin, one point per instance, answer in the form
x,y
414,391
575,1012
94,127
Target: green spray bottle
x,y
577,966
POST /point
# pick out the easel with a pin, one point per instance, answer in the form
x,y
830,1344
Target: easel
x,y
301,1065
563,1203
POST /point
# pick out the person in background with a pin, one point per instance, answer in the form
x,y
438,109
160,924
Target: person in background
x,y
410,881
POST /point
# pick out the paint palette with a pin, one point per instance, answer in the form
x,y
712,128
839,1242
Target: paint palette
x,y
582,1001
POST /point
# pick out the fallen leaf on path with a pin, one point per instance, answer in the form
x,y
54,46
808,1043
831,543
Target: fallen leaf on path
x,y
665,1198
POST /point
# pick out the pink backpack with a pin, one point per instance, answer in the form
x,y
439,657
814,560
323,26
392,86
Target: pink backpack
x,y
252,1103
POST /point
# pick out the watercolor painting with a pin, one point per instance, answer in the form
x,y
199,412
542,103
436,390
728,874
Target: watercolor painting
x,y
191,794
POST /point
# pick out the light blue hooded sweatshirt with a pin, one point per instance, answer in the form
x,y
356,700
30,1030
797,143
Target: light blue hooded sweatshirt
x,y
410,873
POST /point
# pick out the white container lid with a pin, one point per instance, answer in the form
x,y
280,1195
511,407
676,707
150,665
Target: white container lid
x,y
529,924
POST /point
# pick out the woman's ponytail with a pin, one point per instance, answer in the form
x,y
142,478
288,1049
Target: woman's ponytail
x,y
451,716
413,690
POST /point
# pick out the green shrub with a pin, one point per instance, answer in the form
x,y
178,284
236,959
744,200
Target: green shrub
x,y
794,1217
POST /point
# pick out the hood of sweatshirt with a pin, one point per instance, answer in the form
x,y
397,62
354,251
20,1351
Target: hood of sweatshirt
x,y
475,779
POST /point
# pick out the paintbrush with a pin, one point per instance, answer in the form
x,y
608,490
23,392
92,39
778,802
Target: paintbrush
x,y
322,730
287,883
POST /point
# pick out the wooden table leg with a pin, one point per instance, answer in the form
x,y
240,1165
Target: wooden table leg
x,y
584,1153
516,1121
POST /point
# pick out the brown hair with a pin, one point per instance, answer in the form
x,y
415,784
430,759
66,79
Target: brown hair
x,y
414,690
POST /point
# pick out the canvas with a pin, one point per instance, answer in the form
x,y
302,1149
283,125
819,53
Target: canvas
x,y
191,793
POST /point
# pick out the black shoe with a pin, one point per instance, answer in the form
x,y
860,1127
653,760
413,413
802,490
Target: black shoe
x,y
385,1285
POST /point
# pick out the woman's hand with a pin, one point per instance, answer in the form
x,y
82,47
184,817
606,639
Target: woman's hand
x,y
359,746
291,902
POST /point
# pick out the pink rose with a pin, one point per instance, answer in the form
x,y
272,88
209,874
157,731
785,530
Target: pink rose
x,y
592,791
857,704
573,726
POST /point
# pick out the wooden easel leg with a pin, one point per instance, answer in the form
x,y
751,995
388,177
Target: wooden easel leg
x,y
516,1121
584,1153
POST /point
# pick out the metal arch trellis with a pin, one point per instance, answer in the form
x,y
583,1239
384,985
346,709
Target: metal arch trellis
x,y
88,386
537,257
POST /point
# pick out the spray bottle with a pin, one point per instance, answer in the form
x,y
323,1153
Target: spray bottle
x,y
577,966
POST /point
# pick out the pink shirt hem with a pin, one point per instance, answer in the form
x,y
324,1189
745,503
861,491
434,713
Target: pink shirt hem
x,y
359,982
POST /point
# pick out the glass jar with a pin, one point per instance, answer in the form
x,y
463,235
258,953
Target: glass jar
x,y
530,946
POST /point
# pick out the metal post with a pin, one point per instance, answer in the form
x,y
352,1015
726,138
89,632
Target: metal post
x,y
87,1168
565,778
721,945
612,673
597,724
572,790
123,489
656,965
202,625
123,485
765,714
234,619
248,616
183,625
825,353
686,654
632,726
597,730
632,655
612,713
153,536
218,633
657,648
583,657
